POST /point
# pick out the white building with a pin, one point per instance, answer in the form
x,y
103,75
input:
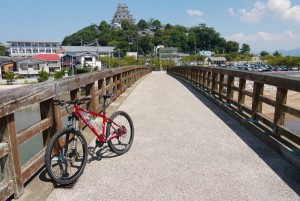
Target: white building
x,y
88,59
31,48
97,50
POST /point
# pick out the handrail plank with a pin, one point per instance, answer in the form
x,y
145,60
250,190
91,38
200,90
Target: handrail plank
x,y
33,130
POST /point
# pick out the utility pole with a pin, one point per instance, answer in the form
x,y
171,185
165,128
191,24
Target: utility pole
x,y
137,48
119,56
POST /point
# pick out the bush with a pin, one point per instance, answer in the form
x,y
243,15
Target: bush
x,y
20,77
10,77
81,70
58,74
43,76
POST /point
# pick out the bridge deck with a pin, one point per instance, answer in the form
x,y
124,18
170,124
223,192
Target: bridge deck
x,y
185,148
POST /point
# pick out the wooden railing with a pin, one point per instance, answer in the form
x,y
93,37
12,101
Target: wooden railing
x,y
231,87
14,174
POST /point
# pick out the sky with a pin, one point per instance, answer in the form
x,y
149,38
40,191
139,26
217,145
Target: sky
x,y
266,25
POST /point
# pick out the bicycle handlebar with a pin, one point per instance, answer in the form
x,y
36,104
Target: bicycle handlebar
x,y
73,102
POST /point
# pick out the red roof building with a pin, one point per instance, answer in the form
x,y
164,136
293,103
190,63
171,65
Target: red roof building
x,y
47,57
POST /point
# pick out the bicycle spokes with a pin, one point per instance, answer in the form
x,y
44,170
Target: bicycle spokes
x,y
67,156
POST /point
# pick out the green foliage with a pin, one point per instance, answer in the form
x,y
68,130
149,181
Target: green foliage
x,y
154,24
231,46
110,62
245,49
87,34
10,77
289,61
59,74
104,26
194,58
264,53
81,70
276,54
2,50
187,40
142,24
43,76
20,77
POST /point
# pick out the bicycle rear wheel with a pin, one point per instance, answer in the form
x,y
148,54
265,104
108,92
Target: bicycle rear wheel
x,y
122,143
64,163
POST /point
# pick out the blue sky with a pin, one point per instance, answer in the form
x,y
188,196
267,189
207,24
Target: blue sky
x,y
263,24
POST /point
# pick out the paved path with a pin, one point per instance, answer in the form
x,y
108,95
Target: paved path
x,y
185,148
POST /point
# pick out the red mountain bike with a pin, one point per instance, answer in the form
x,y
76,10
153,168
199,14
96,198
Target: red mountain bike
x,y
66,154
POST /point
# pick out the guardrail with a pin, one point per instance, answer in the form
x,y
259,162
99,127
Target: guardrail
x,y
231,88
14,175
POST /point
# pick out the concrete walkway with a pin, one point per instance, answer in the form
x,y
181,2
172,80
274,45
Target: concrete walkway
x,y
185,148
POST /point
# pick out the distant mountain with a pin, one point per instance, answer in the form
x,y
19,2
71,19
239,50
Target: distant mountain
x,y
295,52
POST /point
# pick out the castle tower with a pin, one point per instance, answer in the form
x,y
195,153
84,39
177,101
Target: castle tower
x,y
122,14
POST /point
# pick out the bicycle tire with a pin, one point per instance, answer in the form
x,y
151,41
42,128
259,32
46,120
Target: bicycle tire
x,y
58,161
119,145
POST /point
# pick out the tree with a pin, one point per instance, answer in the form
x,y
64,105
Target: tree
x,y
142,24
156,24
85,35
276,54
2,50
232,46
245,49
43,76
104,26
264,53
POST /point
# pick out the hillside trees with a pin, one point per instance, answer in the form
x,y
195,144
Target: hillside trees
x,y
187,40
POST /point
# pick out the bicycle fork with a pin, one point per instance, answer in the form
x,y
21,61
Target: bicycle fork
x,y
76,128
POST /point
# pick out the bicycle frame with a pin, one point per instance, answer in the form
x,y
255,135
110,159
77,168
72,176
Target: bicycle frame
x,y
102,136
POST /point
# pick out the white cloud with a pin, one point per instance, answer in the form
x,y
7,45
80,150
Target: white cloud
x,y
281,8
262,36
194,12
285,9
267,41
231,12
255,14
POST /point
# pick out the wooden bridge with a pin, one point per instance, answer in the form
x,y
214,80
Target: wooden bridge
x,y
185,147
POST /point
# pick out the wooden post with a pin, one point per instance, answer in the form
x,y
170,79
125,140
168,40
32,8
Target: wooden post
x,y
122,84
221,87
90,90
209,75
203,79
279,115
48,111
241,96
229,93
258,89
213,84
74,94
11,165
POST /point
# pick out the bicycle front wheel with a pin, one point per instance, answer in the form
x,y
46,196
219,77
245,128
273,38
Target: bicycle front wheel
x,y
66,156
121,122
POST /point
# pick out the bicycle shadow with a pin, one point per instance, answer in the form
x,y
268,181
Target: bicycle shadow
x,y
102,152
286,171
43,176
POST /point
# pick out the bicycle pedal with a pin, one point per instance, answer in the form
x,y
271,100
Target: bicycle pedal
x,y
98,144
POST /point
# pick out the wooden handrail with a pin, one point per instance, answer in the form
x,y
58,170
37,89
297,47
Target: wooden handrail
x,y
221,83
115,81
